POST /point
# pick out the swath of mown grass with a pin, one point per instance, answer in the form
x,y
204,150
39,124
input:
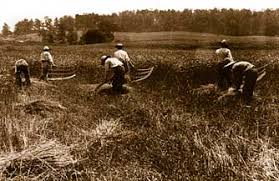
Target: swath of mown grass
x,y
168,128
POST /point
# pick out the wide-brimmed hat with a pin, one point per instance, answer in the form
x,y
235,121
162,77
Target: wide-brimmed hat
x,y
46,48
119,45
223,41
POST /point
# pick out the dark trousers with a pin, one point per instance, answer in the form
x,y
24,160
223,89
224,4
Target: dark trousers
x,y
118,79
224,76
45,70
249,78
22,70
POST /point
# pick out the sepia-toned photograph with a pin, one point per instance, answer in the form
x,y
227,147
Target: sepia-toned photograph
x,y
146,90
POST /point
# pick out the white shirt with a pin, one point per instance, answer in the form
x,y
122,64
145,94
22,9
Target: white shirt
x,y
242,66
122,55
223,53
111,63
21,62
46,56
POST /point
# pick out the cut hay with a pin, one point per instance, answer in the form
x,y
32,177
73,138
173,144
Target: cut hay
x,y
40,106
40,83
92,87
229,97
210,92
208,89
266,163
42,159
109,86
104,89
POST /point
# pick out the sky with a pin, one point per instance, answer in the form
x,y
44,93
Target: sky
x,y
12,11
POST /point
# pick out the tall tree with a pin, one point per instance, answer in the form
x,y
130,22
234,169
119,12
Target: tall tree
x,y
37,26
24,27
219,21
48,30
60,35
67,29
6,30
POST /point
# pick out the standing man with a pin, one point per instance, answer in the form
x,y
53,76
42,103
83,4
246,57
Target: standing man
x,y
123,56
47,62
244,75
22,73
224,56
114,72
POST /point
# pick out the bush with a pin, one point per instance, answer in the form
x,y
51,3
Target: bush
x,y
97,36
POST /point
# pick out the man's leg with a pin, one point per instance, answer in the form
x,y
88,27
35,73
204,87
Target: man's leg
x,y
118,79
237,77
18,81
249,84
220,75
20,70
223,78
27,75
45,71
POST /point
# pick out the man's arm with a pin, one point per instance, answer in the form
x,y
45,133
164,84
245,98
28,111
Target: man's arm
x,y
51,59
42,56
107,77
100,85
129,63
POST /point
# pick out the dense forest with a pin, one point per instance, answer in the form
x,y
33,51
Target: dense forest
x,y
69,29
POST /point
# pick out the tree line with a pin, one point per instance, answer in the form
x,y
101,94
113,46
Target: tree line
x,y
68,29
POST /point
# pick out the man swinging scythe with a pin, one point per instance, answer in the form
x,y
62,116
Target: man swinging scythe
x,y
114,73
123,56
127,73
132,74
244,77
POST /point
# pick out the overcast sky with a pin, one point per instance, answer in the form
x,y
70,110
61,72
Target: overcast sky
x,y
12,11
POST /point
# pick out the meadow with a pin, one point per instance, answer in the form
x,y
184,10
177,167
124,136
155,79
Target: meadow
x,y
169,127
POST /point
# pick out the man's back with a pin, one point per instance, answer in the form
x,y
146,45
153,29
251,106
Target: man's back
x,y
21,62
46,56
112,63
122,55
223,53
242,66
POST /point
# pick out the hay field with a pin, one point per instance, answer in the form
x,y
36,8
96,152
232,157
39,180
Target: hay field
x,y
169,127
